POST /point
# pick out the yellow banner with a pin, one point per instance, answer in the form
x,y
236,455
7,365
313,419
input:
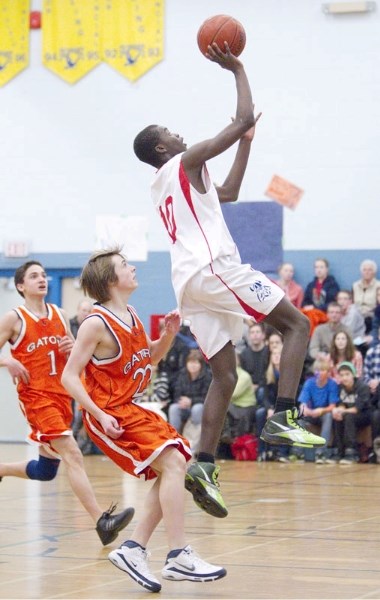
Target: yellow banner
x,y
14,38
71,30
132,39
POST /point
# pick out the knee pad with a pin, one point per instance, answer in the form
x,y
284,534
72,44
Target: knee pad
x,y
43,469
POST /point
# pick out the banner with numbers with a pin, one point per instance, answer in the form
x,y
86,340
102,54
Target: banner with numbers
x,y
132,37
71,30
14,38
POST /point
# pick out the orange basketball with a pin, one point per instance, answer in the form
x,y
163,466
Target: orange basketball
x,y
220,29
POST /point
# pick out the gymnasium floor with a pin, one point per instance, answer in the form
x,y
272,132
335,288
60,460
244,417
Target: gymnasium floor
x,y
293,531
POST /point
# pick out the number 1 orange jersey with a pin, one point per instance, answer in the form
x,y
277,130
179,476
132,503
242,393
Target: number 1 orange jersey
x,y
37,349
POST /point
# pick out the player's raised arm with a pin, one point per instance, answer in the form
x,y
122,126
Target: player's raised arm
x,y
196,155
229,190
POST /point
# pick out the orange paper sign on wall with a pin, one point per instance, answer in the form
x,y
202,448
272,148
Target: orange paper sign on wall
x,y
284,192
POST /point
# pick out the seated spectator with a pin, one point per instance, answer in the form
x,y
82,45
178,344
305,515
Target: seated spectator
x,y
318,397
343,350
375,422
83,310
265,410
352,412
352,318
241,411
190,391
243,343
322,289
275,341
175,360
373,336
315,316
364,291
320,342
372,366
255,358
157,395
293,291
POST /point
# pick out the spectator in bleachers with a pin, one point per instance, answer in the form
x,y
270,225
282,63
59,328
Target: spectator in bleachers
x,y
352,412
372,366
364,291
275,341
318,397
255,358
190,391
322,289
266,409
343,350
352,317
322,337
83,310
241,410
292,290
375,321
175,360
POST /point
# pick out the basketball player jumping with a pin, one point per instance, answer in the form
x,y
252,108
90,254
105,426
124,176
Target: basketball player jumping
x,y
214,290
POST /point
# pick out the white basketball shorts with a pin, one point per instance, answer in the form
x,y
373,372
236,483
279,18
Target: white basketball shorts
x,y
218,299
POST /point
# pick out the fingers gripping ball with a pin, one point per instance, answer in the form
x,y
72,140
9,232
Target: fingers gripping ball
x,y
220,29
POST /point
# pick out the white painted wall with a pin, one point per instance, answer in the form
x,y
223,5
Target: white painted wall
x,y
66,151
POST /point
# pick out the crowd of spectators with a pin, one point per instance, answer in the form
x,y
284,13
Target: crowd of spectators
x,y
339,392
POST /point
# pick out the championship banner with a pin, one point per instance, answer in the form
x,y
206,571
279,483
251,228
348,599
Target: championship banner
x,y
132,38
70,37
14,38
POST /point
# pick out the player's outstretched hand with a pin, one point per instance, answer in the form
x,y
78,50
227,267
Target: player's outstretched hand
x,y
223,57
172,322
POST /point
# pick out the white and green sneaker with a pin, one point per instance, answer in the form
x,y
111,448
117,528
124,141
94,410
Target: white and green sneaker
x,y
201,481
284,428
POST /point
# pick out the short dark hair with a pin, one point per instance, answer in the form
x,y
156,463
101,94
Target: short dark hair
x,y
260,324
145,143
99,273
20,273
327,264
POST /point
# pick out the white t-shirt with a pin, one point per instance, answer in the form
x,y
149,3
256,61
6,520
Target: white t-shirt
x,y
194,222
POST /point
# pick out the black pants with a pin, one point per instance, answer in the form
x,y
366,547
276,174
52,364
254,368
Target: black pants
x,y
346,430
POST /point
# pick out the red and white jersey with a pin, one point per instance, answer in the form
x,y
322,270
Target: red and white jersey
x,y
112,382
36,347
194,222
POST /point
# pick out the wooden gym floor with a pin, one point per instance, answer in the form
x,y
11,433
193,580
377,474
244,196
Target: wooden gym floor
x,y
293,531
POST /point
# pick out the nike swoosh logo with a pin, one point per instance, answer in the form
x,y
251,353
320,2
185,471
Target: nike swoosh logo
x,y
191,568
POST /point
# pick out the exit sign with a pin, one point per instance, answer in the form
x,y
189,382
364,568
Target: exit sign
x,y
16,249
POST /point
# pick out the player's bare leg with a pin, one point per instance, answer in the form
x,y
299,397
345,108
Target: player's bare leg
x,y
202,476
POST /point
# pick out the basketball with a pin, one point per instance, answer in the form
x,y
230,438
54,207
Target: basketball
x,y
220,29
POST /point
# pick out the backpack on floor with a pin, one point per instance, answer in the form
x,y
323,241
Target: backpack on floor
x,y
244,447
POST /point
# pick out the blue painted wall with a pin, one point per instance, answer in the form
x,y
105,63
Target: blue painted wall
x,y
155,293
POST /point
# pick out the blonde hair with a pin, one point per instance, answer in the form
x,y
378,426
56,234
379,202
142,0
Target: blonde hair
x,y
99,274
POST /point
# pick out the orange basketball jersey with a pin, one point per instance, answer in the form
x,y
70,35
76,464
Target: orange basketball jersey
x,y
115,384
123,377
37,349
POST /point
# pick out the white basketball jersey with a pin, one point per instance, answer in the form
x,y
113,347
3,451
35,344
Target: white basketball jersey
x,y
194,222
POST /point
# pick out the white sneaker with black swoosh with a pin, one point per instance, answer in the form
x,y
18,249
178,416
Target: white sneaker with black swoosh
x,y
134,561
187,565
